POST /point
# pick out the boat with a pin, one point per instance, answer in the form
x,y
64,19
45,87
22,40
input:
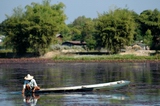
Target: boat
x,y
85,88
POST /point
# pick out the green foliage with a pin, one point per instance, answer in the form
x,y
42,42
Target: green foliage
x,y
138,33
115,29
34,29
82,29
150,20
16,33
119,58
148,38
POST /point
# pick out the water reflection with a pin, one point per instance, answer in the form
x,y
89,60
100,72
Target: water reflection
x,y
30,99
80,99
144,77
93,99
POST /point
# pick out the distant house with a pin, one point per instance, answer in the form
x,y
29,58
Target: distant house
x,y
139,46
74,43
59,38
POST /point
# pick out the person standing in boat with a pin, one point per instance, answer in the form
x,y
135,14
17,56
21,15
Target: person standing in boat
x,y
30,84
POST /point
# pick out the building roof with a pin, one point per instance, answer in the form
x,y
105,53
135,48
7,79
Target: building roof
x,y
59,35
74,43
77,42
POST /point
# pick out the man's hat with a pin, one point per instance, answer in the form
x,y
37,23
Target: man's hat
x,y
28,77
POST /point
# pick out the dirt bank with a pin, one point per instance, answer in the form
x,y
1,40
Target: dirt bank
x,y
26,60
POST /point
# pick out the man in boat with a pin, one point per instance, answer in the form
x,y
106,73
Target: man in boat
x,y
30,84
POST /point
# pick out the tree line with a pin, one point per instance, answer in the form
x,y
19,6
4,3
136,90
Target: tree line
x,y
34,28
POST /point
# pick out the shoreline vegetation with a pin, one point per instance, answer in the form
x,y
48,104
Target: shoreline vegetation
x,y
83,58
105,58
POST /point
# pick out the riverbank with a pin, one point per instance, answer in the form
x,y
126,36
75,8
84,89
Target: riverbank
x,y
57,56
72,60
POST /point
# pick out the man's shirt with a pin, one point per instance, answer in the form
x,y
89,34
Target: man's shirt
x,y
32,83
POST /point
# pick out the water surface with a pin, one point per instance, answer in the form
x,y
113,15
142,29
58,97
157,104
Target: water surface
x,y
143,90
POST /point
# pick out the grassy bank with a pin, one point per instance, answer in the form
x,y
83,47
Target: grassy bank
x,y
57,56
105,58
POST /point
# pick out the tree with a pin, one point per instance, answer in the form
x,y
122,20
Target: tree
x,y
115,29
34,29
149,20
148,38
15,33
82,29
138,36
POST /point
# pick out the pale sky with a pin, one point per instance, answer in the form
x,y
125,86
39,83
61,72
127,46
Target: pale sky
x,y
88,8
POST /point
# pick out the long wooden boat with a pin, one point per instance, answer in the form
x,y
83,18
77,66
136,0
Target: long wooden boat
x,y
82,88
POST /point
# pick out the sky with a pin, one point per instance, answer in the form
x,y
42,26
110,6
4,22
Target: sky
x,y
87,8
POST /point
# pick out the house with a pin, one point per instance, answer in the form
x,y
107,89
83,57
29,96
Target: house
x,y
74,43
59,38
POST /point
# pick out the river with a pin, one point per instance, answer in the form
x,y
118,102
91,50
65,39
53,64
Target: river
x,y
144,89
